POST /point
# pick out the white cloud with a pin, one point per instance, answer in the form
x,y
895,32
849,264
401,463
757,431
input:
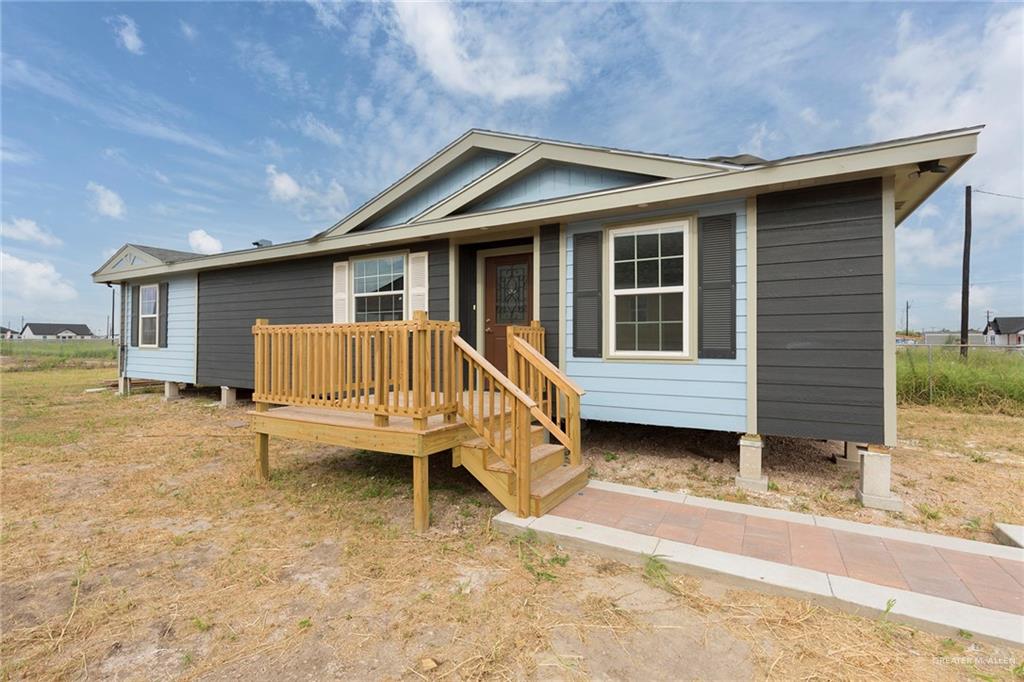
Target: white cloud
x,y
961,77
925,246
25,230
364,107
760,135
202,241
188,31
127,33
12,151
315,129
463,52
283,187
34,281
106,201
981,297
328,13
313,200
811,117
115,103
261,60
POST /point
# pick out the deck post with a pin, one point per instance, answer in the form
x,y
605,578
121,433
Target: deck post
x,y
420,494
228,396
750,476
263,456
380,420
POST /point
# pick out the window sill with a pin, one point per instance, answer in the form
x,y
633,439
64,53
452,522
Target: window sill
x,y
659,359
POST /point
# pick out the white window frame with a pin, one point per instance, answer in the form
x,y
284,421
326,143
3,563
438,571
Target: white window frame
x,y
404,291
685,225
155,316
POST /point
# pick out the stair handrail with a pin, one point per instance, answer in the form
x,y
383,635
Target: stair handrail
x,y
491,427
548,410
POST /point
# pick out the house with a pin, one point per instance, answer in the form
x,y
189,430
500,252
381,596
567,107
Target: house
x,y
55,330
1005,331
6,333
725,293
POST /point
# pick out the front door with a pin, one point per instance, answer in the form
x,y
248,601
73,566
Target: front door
x,y
508,299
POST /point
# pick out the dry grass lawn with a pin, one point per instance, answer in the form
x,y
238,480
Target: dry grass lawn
x,y
137,544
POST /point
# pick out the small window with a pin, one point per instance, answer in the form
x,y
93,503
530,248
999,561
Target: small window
x,y
149,311
378,288
649,273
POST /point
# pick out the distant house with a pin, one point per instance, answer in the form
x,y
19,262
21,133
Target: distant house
x,y
1005,331
946,338
55,330
6,333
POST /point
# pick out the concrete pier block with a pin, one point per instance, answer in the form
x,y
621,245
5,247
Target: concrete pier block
x,y
750,476
228,396
875,489
171,390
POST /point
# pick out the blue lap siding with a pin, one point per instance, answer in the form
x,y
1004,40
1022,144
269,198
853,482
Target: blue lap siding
x,y
176,362
702,394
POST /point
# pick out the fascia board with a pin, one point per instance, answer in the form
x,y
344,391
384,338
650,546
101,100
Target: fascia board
x,y
560,153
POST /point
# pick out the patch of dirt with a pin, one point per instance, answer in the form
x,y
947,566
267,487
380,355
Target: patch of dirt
x,y
136,543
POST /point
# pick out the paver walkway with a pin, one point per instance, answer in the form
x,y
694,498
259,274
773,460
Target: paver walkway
x,y
988,581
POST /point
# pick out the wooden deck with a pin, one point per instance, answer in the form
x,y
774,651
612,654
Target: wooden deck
x,y
400,435
416,388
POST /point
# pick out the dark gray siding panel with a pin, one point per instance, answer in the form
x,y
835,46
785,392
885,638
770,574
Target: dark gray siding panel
x,y
437,270
819,312
289,292
285,292
549,240
586,295
467,293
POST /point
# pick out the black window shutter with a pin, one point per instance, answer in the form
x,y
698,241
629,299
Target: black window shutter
x,y
586,295
716,292
162,317
135,315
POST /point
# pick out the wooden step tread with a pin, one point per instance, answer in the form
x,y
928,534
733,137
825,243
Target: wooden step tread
x,y
537,453
553,480
479,443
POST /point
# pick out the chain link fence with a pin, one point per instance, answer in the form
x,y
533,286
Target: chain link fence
x,y
988,378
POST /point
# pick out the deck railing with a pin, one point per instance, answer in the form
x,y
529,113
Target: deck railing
x,y
556,396
385,368
498,411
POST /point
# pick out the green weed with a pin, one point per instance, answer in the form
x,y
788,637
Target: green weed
x,y
657,574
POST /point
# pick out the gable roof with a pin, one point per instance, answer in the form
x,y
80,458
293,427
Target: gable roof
x,y
50,328
165,255
8,330
895,158
525,152
1007,325
133,256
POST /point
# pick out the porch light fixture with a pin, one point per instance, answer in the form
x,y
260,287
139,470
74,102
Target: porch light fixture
x,y
933,166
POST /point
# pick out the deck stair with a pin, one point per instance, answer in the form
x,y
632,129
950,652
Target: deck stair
x,y
415,388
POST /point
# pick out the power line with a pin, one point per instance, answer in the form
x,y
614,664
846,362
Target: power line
x,y
951,284
997,194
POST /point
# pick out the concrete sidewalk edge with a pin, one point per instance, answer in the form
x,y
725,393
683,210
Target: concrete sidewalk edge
x,y
933,614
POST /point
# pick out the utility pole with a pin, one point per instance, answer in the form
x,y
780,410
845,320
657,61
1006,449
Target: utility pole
x,y
965,286
907,316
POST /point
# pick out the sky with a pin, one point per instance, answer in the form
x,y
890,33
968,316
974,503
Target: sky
x,y
204,126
